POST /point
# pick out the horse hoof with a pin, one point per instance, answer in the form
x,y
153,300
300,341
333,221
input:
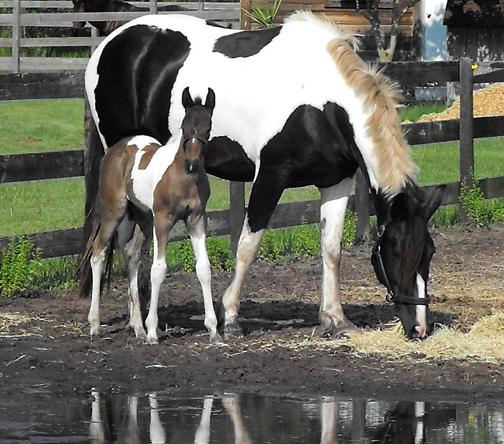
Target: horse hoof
x,y
216,338
342,330
233,331
140,334
95,332
152,340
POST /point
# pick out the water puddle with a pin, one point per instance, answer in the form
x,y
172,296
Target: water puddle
x,y
37,416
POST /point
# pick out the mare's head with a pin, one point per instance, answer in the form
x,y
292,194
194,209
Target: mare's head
x,y
196,128
402,255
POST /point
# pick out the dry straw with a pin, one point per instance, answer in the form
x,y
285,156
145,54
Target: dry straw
x,y
484,342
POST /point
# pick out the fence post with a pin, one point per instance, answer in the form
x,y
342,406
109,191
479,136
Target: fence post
x,y
153,9
16,36
236,213
94,33
466,126
361,207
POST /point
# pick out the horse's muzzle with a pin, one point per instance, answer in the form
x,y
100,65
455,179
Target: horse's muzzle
x,y
192,166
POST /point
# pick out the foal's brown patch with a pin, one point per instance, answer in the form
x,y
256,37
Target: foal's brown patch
x,y
148,153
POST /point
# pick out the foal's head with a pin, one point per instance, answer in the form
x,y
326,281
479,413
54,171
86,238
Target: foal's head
x,y
402,255
196,128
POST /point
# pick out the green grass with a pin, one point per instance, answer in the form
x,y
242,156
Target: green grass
x,y
412,113
41,125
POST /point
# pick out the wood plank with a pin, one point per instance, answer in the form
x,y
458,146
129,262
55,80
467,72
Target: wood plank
x,y
52,64
45,42
61,4
421,73
466,122
489,72
41,86
63,19
40,166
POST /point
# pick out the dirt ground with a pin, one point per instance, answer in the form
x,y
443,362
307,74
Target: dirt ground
x,y
45,339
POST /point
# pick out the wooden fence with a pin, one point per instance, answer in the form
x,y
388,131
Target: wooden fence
x,y
54,165
18,18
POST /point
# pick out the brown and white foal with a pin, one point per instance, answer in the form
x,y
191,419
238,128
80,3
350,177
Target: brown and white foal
x,y
170,182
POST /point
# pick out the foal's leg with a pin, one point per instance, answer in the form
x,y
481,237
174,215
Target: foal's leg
x,y
332,217
132,252
196,224
264,197
163,223
108,225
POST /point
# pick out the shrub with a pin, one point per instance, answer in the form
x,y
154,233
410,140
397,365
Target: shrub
x,y
19,268
475,205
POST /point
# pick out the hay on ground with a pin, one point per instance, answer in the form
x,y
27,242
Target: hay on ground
x,y
487,102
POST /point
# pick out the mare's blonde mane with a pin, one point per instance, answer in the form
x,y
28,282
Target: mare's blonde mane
x,y
380,98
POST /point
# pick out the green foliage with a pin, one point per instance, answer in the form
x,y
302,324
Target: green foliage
x,y
181,256
475,205
19,268
446,217
413,113
264,17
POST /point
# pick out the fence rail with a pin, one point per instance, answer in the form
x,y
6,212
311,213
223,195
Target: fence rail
x,y
17,18
18,168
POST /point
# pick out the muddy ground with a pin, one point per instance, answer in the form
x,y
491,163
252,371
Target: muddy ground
x,y
279,305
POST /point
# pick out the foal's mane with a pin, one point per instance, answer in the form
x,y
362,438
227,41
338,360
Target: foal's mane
x,y
380,98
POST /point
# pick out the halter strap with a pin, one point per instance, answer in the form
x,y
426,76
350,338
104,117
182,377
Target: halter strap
x,y
195,137
391,297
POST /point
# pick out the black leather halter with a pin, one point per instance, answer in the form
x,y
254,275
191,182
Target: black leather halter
x,y
391,296
196,137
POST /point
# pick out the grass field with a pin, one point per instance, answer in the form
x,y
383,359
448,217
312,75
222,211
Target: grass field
x,y
37,126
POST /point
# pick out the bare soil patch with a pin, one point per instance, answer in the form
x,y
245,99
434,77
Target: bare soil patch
x,y
45,339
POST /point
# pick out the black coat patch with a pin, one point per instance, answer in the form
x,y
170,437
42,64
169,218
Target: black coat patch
x,y
226,159
137,70
245,43
313,148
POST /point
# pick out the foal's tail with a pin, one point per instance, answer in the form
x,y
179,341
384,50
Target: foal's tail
x,y
85,271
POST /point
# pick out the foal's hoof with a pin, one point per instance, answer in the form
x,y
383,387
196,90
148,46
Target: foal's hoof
x,y
233,330
341,330
216,338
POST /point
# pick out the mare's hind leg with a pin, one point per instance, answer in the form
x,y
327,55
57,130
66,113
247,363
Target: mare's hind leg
x,y
163,223
266,192
332,217
196,224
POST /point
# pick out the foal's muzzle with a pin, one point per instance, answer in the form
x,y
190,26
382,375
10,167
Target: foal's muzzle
x,y
192,166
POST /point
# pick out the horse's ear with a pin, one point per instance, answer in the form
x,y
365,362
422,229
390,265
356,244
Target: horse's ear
x,y
401,207
210,100
187,100
434,201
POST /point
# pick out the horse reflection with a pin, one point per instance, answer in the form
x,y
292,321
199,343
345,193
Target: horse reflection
x,y
106,420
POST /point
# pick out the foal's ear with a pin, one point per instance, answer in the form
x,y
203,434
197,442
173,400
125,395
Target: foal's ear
x,y
434,200
187,101
210,100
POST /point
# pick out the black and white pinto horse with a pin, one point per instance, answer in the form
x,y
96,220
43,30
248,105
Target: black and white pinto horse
x,y
296,107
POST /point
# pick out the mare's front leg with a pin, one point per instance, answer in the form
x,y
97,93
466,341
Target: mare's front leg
x,y
163,223
332,218
196,224
264,197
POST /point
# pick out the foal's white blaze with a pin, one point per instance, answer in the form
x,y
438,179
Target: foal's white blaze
x,y
421,310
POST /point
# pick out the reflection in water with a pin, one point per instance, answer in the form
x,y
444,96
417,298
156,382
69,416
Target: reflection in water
x,y
241,419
